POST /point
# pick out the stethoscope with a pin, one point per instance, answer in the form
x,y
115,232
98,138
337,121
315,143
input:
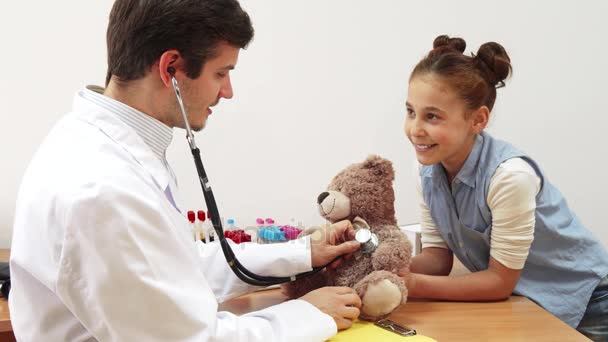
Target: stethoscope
x,y
239,270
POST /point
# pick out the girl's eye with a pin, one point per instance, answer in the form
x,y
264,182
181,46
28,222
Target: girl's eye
x,y
221,74
432,116
410,112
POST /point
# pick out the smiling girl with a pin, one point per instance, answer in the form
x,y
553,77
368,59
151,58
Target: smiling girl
x,y
490,204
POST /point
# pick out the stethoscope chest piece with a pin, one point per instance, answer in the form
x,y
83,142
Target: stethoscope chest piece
x,y
367,239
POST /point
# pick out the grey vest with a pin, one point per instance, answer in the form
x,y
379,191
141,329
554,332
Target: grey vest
x,y
565,263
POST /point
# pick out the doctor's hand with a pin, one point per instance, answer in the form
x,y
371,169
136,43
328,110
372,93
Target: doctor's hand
x,y
332,241
341,303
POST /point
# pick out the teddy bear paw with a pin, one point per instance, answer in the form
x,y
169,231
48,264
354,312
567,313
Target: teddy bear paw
x,y
381,298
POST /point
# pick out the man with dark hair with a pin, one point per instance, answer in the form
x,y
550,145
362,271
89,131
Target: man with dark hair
x,y
113,257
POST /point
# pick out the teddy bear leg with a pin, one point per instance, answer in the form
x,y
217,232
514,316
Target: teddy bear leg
x,y
381,292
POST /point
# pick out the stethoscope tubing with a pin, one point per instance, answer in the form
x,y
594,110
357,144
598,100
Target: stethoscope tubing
x,y
239,269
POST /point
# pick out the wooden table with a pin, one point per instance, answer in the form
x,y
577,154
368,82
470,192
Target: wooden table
x,y
515,319
6,330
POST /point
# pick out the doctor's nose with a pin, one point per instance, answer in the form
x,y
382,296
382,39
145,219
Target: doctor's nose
x,y
226,89
322,196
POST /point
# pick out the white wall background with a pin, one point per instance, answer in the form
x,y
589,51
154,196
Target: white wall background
x,y
322,86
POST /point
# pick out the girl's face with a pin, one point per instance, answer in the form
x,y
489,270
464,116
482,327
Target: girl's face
x,y
438,123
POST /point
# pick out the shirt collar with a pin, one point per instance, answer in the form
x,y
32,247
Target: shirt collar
x,y
155,134
468,172
89,109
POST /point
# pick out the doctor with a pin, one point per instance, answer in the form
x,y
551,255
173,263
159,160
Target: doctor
x,y
101,250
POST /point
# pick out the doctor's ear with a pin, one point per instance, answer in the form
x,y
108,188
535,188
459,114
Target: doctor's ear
x,y
168,65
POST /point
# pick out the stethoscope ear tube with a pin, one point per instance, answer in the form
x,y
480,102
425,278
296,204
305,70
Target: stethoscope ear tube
x,y
239,270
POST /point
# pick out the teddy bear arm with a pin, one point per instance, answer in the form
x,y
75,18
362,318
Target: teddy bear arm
x,y
393,254
300,287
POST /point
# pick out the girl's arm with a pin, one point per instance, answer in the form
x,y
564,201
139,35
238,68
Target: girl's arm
x,y
495,283
433,261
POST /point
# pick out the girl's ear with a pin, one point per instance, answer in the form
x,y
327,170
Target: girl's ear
x,y
479,119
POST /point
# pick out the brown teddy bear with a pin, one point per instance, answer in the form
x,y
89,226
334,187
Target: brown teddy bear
x,y
363,193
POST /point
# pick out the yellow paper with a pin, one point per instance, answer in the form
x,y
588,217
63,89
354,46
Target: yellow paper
x,y
367,331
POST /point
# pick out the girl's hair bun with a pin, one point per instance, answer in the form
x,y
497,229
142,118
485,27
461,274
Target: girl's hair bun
x,y
474,77
446,43
494,62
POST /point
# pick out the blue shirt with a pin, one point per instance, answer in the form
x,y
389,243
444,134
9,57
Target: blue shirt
x,y
566,262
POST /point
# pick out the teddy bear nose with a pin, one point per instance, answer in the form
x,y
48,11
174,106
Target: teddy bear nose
x,y
322,196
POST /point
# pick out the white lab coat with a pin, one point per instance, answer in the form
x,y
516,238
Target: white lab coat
x,y
99,253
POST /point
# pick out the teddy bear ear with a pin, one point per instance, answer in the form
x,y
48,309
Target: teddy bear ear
x,y
379,166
